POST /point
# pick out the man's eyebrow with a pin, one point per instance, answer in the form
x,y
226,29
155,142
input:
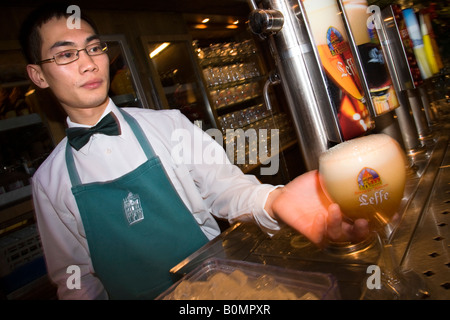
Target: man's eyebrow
x,y
93,37
70,43
62,44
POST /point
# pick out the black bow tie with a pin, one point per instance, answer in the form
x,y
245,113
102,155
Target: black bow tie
x,y
78,137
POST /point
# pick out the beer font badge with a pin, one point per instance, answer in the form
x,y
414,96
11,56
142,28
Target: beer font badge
x,y
369,180
336,42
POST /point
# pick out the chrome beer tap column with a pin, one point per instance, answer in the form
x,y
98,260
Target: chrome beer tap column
x,y
281,22
397,62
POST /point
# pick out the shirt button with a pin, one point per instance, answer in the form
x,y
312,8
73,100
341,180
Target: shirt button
x,y
108,151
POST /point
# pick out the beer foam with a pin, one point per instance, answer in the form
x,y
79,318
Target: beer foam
x,y
357,15
354,147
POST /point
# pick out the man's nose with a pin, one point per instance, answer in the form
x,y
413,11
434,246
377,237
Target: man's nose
x,y
85,61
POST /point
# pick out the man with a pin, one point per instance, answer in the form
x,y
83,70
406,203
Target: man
x,y
117,205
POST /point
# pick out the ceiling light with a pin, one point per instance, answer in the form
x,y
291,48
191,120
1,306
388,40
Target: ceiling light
x,y
29,93
206,20
231,26
159,49
200,26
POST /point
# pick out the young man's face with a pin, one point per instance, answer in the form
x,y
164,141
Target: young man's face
x,y
81,84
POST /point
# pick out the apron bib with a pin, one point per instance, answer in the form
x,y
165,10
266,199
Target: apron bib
x,y
137,227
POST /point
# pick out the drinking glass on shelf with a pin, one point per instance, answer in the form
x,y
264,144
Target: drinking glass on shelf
x,y
366,176
221,98
226,74
249,114
234,72
207,76
230,95
251,70
214,76
215,97
241,71
239,93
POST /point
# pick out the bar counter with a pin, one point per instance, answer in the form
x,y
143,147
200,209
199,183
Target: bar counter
x,y
420,240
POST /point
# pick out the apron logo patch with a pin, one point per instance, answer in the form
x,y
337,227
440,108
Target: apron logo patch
x,y
133,209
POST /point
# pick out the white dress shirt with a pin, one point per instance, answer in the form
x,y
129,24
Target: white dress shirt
x,y
206,189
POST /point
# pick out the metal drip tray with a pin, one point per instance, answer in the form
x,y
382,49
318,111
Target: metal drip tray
x,y
428,251
420,239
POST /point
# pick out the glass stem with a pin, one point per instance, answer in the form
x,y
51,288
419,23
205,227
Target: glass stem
x,y
387,260
388,265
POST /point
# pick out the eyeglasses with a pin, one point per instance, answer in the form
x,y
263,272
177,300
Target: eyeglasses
x,y
71,55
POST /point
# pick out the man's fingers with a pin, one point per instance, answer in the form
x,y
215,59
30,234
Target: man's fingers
x,y
360,230
334,222
319,226
339,230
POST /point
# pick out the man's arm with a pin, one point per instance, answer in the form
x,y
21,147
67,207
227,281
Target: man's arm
x,y
59,231
303,205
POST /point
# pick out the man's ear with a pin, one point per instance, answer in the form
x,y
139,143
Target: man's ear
x,y
36,75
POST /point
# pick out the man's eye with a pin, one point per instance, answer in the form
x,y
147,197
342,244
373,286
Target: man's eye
x,y
66,55
95,49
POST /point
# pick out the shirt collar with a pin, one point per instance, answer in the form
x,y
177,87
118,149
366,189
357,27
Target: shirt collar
x,y
111,107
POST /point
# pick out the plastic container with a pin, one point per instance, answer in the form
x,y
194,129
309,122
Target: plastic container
x,y
305,285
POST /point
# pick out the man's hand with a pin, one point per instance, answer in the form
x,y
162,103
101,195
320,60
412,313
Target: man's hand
x,y
303,205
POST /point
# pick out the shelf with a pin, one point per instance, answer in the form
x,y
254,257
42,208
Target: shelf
x,y
15,195
41,288
16,84
19,122
227,60
242,104
236,83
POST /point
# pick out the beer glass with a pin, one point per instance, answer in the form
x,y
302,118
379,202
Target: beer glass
x,y
366,176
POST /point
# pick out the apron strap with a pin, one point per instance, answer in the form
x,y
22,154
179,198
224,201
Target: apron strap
x,y
138,132
73,173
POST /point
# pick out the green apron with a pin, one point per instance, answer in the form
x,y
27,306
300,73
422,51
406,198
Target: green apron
x,y
137,227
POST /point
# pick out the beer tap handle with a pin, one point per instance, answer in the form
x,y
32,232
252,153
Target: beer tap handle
x,y
274,78
265,22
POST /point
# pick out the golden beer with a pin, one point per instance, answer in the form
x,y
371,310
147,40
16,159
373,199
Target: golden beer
x,y
366,176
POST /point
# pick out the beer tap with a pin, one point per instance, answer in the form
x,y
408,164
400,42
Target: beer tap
x,y
263,22
282,24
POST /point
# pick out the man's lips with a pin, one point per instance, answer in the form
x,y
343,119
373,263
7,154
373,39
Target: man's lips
x,y
92,84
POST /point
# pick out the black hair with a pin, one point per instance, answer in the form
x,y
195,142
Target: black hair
x,y
30,37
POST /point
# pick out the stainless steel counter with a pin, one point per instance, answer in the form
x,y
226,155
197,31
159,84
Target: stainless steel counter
x,y
420,238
